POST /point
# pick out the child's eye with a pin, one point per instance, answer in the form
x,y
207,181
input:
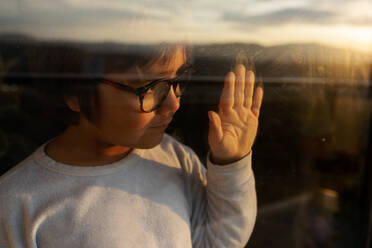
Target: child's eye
x,y
150,91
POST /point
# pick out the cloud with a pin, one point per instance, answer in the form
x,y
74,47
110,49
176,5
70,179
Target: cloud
x,y
314,12
362,21
202,20
284,16
62,15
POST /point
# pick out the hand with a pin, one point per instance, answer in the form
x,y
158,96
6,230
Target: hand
x,y
233,130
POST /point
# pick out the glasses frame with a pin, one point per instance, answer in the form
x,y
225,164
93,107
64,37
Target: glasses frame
x,y
141,91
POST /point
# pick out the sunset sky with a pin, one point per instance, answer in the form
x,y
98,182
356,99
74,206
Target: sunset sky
x,y
342,23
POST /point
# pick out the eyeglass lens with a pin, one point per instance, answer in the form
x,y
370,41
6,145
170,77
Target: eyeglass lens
x,y
157,94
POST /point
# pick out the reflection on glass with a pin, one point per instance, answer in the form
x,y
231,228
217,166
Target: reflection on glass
x,y
313,57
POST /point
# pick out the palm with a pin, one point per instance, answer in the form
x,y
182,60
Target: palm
x,y
233,129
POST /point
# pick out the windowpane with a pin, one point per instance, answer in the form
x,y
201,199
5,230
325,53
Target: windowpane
x,y
311,157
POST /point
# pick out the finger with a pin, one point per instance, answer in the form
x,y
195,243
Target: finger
x,y
215,133
227,95
248,90
257,101
239,85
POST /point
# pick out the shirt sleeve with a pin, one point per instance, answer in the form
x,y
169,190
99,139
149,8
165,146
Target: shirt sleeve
x,y
224,204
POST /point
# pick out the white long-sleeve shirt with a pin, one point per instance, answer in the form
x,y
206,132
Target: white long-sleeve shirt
x,y
156,197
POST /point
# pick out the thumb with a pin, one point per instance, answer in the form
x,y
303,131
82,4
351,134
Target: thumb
x,y
215,129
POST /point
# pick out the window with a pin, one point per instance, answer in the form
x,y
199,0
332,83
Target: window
x,y
312,152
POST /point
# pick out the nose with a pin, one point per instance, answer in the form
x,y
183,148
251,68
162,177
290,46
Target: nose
x,y
171,103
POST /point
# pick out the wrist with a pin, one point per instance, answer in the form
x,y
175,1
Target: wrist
x,y
225,160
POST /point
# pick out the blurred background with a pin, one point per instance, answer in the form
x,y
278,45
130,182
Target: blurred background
x,y
312,158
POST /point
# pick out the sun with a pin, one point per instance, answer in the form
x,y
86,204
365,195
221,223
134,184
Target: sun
x,y
359,37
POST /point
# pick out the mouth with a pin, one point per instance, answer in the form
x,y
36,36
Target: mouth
x,y
162,125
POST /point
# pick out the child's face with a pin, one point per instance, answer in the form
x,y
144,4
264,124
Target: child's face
x,y
120,120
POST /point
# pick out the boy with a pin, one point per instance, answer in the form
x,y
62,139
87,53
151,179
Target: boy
x,y
114,179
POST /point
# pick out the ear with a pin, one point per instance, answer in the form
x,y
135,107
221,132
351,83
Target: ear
x,y
73,103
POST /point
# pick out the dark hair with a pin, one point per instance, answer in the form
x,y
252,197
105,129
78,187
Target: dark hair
x,y
65,70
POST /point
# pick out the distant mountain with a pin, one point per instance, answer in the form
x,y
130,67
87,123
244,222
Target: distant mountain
x,y
290,53
15,38
300,60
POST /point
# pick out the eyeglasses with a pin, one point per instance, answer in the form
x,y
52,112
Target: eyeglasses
x,y
153,94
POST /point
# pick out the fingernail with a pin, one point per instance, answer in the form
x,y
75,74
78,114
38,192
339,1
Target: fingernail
x,y
251,75
210,116
260,84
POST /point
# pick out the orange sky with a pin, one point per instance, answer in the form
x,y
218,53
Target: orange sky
x,y
342,23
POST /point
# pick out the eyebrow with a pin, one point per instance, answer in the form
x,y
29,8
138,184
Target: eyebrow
x,y
165,73
155,76
145,79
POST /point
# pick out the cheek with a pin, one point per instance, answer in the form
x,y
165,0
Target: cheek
x,y
120,117
130,121
124,127
125,116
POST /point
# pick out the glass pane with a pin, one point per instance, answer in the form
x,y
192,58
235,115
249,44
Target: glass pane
x,y
311,157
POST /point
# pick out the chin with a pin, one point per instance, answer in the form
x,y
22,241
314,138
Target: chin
x,y
150,142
